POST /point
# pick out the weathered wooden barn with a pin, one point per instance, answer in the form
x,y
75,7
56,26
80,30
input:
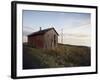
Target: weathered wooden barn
x,y
46,39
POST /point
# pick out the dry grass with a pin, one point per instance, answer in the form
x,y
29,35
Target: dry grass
x,y
62,56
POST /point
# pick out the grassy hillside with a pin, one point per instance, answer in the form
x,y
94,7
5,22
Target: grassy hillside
x,y
63,56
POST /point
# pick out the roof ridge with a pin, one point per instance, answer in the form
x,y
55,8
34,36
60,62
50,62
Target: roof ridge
x,y
42,31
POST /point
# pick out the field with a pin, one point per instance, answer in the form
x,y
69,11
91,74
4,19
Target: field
x,y
62,56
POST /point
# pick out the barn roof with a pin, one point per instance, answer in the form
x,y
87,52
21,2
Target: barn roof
x,y
41,32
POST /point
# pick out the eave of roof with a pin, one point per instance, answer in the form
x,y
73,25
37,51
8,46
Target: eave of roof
x,y
42,32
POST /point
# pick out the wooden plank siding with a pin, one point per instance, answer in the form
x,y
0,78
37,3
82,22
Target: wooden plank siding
x,y
36,41
51,39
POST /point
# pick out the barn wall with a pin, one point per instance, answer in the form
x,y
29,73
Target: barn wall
x,y
36,41
49,39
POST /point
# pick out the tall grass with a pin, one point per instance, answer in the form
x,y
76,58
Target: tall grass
x,y
62,56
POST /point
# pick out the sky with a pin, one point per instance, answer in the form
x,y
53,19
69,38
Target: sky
x,y
75,27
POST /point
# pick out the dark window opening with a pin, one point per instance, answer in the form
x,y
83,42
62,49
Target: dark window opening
x,y
54,40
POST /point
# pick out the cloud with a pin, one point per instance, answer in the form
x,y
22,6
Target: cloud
x,y
77,36
24,39
27,30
